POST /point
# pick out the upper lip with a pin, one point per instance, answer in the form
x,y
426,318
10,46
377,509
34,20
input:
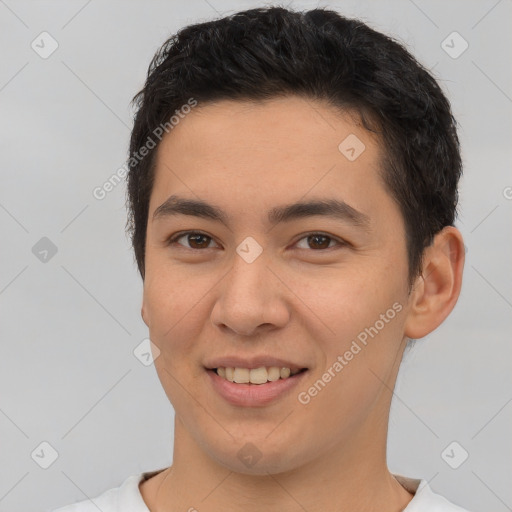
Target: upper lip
x,y
252,362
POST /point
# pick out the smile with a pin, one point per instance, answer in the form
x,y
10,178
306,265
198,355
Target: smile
x,y
254,394
260,375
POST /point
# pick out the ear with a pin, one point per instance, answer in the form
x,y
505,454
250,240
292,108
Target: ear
x,y
437,289
143,313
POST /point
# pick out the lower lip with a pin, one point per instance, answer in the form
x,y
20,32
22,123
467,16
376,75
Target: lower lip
x,y
253,395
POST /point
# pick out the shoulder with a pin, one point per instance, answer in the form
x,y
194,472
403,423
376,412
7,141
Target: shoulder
x,y
126,496
106,502
425,499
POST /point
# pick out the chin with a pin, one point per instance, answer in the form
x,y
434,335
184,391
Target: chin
x,y
258,458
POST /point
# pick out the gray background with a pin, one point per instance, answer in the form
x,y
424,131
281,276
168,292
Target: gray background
x,y
69,326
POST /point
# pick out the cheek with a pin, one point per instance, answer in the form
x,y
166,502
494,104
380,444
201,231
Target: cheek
x,y
176,318
358,315
170,291
174,309
346,300
356,364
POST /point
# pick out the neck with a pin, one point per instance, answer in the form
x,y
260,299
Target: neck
x,y
351,476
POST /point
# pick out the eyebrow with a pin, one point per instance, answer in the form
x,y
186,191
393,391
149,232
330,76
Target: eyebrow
x,y
334,208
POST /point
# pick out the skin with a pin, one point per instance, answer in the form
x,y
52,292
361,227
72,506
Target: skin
x,y
297,300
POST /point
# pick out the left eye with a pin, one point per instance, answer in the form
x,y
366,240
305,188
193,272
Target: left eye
x,y
319,239
202,241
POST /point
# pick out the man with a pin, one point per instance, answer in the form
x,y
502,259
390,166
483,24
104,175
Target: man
x,y
292,193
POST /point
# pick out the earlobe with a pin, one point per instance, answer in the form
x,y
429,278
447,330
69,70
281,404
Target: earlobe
x,y
437,290
143,314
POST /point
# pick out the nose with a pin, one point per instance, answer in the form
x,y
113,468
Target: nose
x,y
251,299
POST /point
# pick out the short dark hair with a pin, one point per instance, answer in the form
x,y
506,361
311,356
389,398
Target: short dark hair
x,y
266,53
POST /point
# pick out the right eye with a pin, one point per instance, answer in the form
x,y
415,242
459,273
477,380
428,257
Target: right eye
x,y
197,240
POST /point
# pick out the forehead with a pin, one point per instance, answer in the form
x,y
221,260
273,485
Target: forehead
x,y
269,152
306,127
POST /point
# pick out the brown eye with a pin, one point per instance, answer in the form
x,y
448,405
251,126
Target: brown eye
x,y
318,241
199,241
195,240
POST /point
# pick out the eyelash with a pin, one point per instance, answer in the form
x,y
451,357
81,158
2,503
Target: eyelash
x,y
172,240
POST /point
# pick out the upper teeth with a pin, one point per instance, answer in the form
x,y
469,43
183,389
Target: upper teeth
x,y
255,375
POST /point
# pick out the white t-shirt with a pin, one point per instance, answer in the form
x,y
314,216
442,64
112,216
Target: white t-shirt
x,y
127,498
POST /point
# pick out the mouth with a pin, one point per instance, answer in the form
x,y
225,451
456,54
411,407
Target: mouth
x,y
256,376
255,387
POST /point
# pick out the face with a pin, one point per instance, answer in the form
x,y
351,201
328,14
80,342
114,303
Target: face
x,y
316,288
